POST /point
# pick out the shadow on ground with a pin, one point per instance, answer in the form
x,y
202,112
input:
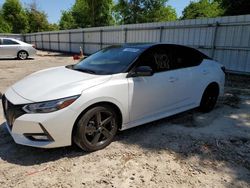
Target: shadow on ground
x,y
180,134
28,156
12,59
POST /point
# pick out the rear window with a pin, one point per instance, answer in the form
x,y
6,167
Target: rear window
x,y
187,57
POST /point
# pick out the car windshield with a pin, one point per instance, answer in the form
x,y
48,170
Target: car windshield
x,y
111,60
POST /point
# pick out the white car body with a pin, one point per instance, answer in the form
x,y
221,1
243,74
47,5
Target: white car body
x,y
139,99
9,48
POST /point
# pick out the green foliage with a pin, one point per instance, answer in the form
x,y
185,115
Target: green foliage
x,y
38,21
14,18
14,15
235,7
202,9
53,27
92,13
4,26
142,11
87,13
67,21
167,13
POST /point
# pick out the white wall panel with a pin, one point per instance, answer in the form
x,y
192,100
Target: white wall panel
x,y
231,45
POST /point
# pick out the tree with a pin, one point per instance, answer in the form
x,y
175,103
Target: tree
x,y
4,26
53,27
167,13
67,21
141,11
15,16
202,9
235,7
37,19
92,13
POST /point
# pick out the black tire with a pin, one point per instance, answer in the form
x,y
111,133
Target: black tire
x,y
96,128
22,55
209,98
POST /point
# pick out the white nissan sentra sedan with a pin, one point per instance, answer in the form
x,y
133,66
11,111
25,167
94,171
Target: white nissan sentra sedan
x,y
117,88
13,48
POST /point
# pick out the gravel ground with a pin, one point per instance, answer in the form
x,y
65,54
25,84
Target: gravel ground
x,y
187,150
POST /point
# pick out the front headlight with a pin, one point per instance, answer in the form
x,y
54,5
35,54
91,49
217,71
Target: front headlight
x,y
49,106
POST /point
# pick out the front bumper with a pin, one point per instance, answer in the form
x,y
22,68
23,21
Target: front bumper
x,y
27,128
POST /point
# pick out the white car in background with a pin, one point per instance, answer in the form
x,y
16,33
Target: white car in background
x,y
13,48
117,88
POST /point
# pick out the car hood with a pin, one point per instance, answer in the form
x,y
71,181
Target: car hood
x,y
55,83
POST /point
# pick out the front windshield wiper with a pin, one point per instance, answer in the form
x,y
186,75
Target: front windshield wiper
x,y
72,67
85,70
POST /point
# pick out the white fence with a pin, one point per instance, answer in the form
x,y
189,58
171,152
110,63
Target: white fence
x,y
226,39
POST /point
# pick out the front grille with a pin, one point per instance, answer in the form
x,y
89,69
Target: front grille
x,y
11,111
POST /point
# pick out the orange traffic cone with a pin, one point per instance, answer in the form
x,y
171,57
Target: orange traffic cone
x,y
76,57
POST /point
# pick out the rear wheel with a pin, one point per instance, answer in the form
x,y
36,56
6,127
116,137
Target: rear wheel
x,y
96,128
209,98
22,55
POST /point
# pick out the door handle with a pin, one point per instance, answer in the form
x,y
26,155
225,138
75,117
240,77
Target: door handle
x,y
205,72
172,79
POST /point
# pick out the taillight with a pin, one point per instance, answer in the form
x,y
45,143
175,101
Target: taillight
x,y
33,45
223,69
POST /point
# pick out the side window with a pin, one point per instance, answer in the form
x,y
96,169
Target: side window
x,y
9,42
158,58
186,57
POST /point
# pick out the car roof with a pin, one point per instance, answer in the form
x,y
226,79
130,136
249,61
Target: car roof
x,y
145,46
149,45
10,38
16,40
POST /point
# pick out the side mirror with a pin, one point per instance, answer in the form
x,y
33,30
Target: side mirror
x,y
141,71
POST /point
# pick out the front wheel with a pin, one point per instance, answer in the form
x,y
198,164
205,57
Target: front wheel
x,y
22,55
209,99
96,128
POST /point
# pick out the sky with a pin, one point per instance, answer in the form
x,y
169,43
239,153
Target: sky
x,y
53,8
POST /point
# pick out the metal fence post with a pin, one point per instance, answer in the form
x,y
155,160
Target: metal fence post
x,y
125,35
58,40
214,39
24,38
42,41
35,40
101,31
49,42
70,48
83,42
161,33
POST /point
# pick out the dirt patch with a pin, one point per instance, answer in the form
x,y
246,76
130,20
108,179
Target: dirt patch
x,y
190,149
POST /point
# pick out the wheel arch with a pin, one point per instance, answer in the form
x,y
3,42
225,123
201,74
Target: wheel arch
x,y
103,103
214,86
22,50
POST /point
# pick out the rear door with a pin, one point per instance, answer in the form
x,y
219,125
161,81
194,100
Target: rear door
x,y
9,48
187,61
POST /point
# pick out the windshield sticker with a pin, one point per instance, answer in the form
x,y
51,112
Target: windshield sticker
x,y
131,50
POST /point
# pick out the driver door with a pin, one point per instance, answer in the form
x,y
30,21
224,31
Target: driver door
x,y
152,96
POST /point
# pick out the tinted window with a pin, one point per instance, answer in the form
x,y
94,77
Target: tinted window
x,y
159,58
186,57
112,60
9,42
